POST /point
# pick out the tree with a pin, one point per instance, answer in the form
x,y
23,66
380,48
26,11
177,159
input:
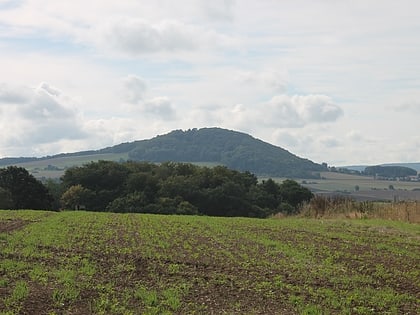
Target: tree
x,y
177,188
294,194
6,201
56,190
25,190
76,197
133,202
106,179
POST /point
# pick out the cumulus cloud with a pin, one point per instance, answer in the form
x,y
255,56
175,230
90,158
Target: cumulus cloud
x,y
330,142
281,112
273,80
13,95
413,107
134,89
286,139
354,135
32,116
219,9
297,111
135,36
159,106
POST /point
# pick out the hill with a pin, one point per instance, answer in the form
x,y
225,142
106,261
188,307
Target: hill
x,y
233,149
214,146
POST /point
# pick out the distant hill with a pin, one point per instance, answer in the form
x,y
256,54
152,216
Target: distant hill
x,y
390,171
361,168
210,146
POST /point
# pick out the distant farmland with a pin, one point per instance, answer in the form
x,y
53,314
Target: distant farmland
x,y
103,263
363,187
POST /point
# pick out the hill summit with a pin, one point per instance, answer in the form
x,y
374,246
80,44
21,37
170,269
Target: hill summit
x,y
233,149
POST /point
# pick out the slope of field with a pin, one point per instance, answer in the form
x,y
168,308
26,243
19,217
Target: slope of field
x,y
99,263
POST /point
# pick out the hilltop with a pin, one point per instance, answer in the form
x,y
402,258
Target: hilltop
x,y
208,146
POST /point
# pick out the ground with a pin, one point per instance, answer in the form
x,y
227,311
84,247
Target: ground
x,y
101,263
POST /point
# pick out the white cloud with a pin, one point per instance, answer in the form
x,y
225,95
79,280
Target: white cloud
x,y
219,9
330,142
272,80
411,107
276,117
137,37
134,89
160,107
354,135
13,95
298,111
35,116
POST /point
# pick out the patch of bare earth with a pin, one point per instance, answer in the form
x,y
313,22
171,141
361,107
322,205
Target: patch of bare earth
x,y
10,225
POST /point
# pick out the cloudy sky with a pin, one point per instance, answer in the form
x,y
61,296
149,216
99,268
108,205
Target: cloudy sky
x,y
332,81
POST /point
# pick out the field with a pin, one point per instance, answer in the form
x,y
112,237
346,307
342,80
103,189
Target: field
x,y
103,263
368,188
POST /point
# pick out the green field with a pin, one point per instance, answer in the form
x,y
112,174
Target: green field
x,y
104,263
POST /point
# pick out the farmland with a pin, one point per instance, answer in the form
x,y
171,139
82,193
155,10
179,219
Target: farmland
x,y
367,187
104,263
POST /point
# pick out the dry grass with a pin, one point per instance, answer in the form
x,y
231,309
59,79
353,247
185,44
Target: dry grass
x,y
342,207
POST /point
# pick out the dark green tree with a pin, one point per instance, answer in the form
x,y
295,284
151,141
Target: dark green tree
x,y
25,190
178,188
6,201
106,179
294,194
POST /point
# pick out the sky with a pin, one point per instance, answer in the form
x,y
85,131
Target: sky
x,y
328,80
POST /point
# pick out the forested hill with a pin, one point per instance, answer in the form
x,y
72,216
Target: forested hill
x,y
214,146
233,149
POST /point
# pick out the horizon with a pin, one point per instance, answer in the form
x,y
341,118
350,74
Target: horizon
x,y
328,81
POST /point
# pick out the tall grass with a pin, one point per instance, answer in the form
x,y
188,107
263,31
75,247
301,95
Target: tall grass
x,y
343,207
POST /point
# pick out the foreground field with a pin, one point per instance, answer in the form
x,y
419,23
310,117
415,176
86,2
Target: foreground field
x,y
98,263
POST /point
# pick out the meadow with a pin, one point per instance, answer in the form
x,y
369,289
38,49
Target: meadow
x,y
105,263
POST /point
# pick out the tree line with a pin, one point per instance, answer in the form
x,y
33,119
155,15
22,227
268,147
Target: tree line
x,y
142,187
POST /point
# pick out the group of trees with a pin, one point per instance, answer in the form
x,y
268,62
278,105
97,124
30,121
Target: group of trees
x,y
390,171
166,188
20,190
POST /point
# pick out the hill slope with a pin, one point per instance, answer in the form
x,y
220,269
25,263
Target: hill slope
x,y
233,149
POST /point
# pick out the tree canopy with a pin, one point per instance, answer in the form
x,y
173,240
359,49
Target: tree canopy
x,y
22,190
390,171
178,188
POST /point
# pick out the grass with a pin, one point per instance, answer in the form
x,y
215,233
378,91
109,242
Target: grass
x,y
344,207
103,263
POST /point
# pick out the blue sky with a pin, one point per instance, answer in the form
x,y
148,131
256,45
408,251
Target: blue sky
x,y
332,81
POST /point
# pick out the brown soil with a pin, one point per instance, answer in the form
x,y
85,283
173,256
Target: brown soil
x,y
10,225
